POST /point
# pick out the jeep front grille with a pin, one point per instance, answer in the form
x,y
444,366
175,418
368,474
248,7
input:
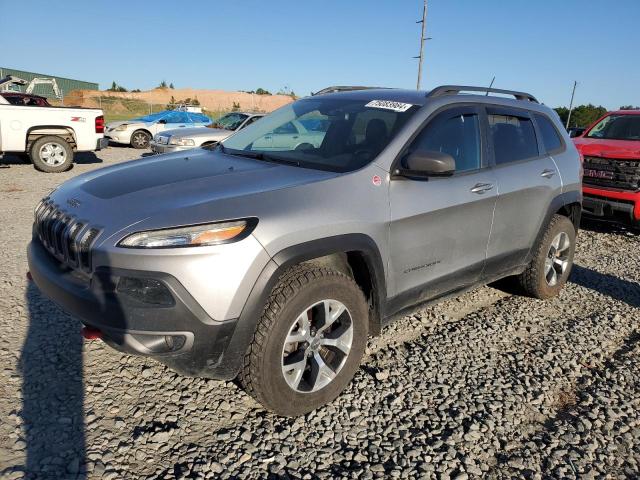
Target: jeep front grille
x,y
612,173
67,238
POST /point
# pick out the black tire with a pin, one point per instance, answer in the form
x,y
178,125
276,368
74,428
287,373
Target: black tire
x,y
140,139
305,146
534,280
299,288
51,154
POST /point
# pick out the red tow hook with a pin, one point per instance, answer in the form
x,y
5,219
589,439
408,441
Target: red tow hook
x,y
91,333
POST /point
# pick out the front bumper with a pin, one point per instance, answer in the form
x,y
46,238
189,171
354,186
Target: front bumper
x,y
162,148
115,136
181,336
613,204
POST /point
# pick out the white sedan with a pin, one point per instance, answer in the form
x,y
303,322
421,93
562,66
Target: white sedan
x,y
138,132
291,136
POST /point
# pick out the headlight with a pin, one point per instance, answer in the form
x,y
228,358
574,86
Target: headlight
x,y
193,236
184,142
121,128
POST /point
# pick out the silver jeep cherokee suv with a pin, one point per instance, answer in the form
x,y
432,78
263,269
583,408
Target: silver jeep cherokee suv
x,y
274,266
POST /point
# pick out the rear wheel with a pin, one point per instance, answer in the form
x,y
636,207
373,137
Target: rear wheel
x,y
51,154
140,139
308,343
553,258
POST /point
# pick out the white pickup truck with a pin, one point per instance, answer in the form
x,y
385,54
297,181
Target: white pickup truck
x,y
49,135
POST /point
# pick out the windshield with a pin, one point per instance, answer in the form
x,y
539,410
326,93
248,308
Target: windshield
x,y
230,121
337,134
617,127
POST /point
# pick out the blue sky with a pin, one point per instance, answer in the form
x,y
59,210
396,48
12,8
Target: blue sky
x,y
536,46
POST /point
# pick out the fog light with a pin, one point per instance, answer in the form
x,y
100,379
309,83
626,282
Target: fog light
x,y
174,342
146,290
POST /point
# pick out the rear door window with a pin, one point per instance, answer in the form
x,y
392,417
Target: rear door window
x,y
550,136
513,136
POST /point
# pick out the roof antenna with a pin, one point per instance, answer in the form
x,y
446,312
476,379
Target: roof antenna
x,y
490,85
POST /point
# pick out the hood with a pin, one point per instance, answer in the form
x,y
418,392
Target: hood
x,y
182,188
599,147
197,132
112,125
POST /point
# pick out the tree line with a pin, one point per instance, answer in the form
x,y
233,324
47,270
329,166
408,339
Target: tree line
x,y
585,115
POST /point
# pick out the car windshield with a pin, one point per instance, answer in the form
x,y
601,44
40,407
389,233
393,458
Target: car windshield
x,y
230,121
336,134
617,127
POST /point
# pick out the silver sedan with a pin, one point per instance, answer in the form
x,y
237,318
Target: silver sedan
x,y
188,138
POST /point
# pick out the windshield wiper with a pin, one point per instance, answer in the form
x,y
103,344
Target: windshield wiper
x,y
262,156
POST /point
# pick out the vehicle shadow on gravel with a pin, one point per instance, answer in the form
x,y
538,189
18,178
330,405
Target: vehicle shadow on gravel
x,y
610,285
81,158
52,391
86,158
603,226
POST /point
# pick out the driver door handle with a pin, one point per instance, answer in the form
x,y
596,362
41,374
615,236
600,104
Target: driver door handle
x,y
547,173
480,188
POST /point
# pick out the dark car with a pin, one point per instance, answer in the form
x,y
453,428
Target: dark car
x,y
17,98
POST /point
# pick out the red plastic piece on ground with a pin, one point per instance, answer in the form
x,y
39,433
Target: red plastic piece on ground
x,y
91,333
29,277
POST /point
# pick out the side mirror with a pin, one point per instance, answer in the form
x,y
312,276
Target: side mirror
x,y
162,121
425,163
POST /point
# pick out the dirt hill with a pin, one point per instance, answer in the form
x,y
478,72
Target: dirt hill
x,y
213,100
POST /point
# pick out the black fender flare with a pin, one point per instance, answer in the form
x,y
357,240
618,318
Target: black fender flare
x,y
230,366
572,197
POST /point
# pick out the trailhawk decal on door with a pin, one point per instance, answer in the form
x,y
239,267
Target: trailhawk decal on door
x,y
388,105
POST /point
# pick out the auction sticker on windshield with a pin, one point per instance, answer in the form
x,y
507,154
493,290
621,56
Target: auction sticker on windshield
x,y
388,105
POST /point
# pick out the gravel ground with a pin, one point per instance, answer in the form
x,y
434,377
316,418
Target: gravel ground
x,y
488,385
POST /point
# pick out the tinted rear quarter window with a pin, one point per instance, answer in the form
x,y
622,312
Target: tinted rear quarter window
x,y
550,137
514,138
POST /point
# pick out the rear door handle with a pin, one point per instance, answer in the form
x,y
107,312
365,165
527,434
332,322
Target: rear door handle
x,y
548,173
480,188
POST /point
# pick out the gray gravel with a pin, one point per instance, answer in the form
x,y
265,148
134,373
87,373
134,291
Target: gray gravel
x,y
488,385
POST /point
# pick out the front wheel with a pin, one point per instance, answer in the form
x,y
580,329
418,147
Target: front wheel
x,y
140,139
51,154
552,261
308,343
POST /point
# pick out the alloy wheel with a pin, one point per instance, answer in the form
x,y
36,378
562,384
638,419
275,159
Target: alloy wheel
x,y
557,260
317,346
139,139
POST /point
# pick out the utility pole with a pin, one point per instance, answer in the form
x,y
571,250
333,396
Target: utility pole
x,y
573,92
422,39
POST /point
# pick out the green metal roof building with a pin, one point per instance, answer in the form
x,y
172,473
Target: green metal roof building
x,y
65,85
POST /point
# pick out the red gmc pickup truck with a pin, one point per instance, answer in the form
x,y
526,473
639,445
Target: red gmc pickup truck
x,y
610,150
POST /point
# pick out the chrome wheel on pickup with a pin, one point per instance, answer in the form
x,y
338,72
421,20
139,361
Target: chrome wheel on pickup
x,y
51,154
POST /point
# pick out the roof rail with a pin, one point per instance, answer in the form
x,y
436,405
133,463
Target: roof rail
x,y
341,88
456,89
